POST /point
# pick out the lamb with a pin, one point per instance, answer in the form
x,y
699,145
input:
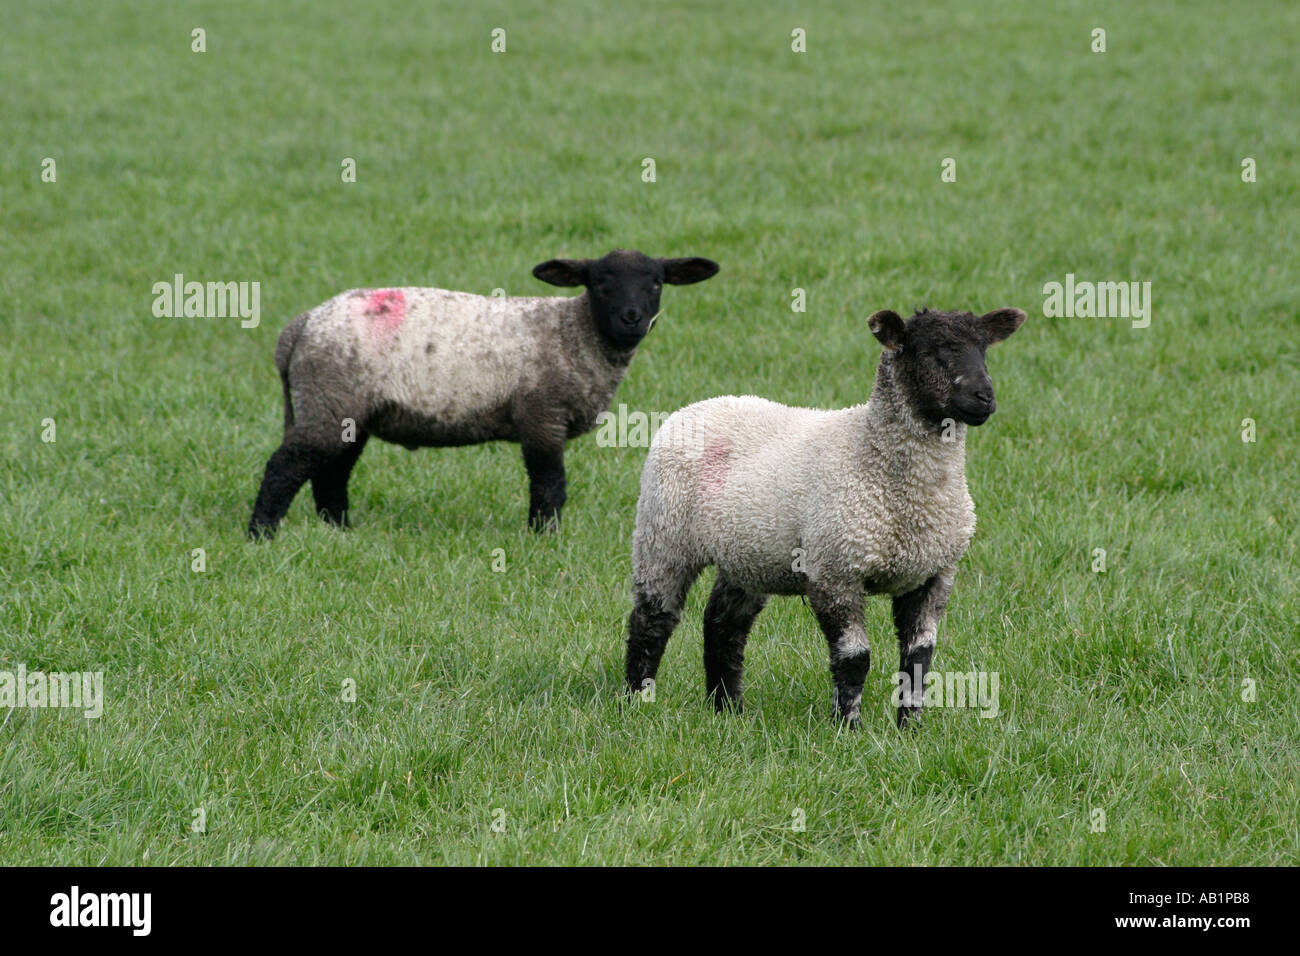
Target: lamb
x,y
429,367
834,505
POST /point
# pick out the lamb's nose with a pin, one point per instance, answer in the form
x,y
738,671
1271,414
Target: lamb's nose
x,y
985,394
630,316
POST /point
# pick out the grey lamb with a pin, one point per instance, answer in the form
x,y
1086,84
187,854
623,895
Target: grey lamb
x,y
428,367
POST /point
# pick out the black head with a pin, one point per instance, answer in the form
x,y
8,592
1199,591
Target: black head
x,y
624,288
938,360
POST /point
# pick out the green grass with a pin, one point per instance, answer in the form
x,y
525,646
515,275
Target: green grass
x,y
477,690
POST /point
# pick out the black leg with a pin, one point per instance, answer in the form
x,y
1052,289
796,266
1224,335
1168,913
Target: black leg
x,y
329,484
287,470
916,618
728,617
655,613
840,613
545,464
649,626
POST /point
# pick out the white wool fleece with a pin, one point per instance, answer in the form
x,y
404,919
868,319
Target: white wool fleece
x,y
780,497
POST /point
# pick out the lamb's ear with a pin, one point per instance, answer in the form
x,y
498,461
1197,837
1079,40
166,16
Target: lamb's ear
x,y
1000,323
888,327
566,272
686,271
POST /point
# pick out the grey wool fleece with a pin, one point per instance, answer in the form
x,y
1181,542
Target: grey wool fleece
x,y
432,367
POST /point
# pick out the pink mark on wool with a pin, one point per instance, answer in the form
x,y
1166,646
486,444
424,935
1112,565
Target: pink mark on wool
x,y
715,463
386,309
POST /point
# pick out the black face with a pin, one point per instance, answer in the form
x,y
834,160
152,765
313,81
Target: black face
x,y
939,360
624,288
624,293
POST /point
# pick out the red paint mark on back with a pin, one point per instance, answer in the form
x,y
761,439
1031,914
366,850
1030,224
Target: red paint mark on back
x,y
386,309
715,463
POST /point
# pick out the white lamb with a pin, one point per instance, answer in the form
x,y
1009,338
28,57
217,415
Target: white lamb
x,y
834,505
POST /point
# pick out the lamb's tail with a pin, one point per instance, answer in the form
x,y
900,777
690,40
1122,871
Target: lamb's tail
x,y
284,352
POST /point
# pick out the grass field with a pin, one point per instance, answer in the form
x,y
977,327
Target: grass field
x,y
486,727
